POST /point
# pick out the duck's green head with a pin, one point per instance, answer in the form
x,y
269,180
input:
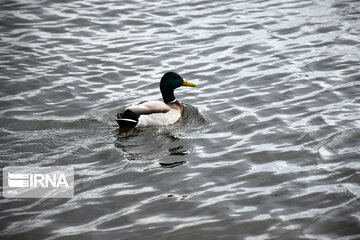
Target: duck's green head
x,y
169,82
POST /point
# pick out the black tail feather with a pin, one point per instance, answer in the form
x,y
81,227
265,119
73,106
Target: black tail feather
x,y
127,118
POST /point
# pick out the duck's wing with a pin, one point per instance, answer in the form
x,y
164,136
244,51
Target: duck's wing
x,y
149,107
159,119
148,113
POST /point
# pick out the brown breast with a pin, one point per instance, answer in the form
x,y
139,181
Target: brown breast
x,y
176,105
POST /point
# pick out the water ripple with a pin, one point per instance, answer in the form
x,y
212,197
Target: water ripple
x,y
268,145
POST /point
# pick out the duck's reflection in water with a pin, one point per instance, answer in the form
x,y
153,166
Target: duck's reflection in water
x,y
152,144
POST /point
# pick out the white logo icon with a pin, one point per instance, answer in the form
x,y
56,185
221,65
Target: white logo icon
x,y
18,180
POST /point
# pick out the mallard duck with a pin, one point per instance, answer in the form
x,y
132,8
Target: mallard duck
x,y
156,113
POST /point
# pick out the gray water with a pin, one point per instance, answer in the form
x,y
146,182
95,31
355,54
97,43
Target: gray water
x,y
268,146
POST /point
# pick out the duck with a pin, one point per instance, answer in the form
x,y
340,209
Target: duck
x,y
156,112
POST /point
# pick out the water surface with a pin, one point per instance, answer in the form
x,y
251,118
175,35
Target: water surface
x,y
268,147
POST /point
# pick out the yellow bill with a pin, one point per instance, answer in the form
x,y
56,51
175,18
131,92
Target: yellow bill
x,y
189,84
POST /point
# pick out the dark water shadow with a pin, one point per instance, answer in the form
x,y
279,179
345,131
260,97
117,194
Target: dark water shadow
x,y
172,165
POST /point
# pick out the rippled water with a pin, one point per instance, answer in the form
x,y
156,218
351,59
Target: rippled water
x,y
268,146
